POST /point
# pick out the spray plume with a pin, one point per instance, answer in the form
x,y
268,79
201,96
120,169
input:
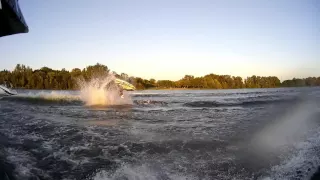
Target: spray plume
x,y
102,91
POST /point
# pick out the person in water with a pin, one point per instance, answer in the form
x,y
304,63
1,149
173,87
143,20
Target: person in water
x,y
121,91
115,87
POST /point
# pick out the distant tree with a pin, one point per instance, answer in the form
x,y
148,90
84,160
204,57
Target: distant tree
x,y
124,76
165,84
96,71
153,82
46,78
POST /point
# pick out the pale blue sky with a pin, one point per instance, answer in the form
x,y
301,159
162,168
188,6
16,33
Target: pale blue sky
x,y
166,39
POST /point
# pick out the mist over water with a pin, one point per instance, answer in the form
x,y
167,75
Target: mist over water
x,y
288,127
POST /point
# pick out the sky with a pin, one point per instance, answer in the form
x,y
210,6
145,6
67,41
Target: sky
x,y
170,38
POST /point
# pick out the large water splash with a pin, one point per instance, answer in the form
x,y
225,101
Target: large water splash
x,y
102,91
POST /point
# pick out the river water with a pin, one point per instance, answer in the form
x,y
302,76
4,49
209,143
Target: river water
x,y
162,135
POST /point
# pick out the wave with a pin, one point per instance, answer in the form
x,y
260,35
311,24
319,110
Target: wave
x,y
144,171
215,93
304,163
69,99
95,97
199,93
230,104
46,98
150,102
151,95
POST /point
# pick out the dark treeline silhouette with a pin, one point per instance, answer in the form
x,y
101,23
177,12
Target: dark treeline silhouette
x,y
46,78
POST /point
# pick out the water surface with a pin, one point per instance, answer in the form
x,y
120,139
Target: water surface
x,y
162,135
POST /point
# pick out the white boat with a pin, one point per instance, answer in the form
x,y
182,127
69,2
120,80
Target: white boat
x,y
6,91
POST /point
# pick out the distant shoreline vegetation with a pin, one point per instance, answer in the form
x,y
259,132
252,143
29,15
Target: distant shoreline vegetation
x,y
46,78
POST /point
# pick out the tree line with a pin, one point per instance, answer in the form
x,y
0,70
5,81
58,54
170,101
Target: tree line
x,y
46,78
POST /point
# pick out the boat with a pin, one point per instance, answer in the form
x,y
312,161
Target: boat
x,y
5,90
125,85
11,18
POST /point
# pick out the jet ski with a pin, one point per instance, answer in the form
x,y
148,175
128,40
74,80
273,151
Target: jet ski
x,y
125,85
5,90
120,86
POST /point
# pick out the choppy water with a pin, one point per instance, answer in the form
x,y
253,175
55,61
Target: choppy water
x,y
162,135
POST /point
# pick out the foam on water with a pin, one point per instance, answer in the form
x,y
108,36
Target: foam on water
x,y
141,172
50,95
287,129
295,139
302,164
24,161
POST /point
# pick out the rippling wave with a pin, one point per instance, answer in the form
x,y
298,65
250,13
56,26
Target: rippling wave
x,y
65,98
216,134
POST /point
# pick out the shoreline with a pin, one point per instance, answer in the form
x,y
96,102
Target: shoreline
x,y
223,89
170,89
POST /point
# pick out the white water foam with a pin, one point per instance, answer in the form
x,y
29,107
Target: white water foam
x,y
296,134
23,161
302,164
143,172
50,95
286,130
102,91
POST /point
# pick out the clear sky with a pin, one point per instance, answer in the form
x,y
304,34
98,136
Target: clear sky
x,y
166,39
